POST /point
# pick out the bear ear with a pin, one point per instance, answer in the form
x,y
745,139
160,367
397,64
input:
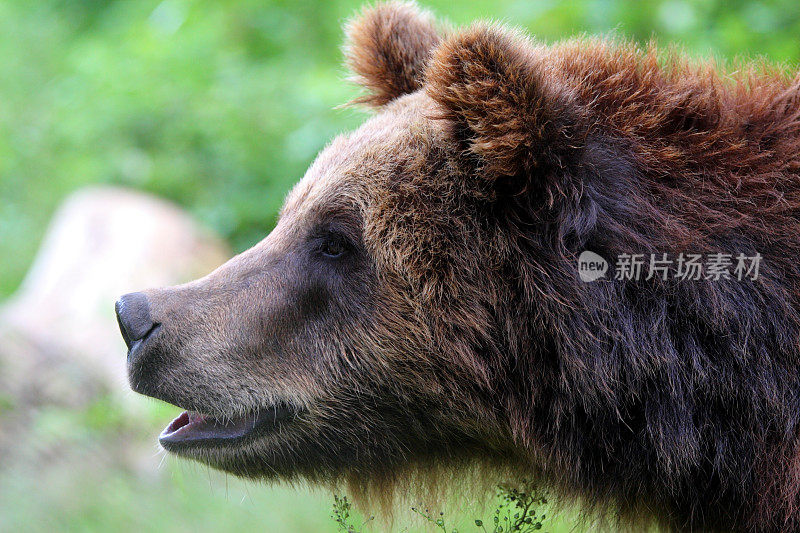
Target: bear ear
x,y
386,49
492,86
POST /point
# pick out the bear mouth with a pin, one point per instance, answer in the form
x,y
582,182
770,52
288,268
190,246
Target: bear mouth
x,y
193,428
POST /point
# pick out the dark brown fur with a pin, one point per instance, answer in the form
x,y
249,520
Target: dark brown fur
x,y
456,330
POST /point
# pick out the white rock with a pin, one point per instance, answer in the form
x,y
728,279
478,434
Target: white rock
x,y
59,340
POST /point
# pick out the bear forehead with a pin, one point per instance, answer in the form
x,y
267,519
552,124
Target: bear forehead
x,y
354,169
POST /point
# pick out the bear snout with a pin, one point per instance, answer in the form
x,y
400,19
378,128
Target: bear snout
x,y
134,319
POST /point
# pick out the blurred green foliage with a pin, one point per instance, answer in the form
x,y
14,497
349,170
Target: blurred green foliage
x,y
220,106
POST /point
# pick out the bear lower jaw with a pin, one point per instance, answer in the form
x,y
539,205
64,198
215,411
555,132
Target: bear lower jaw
x,y
192,429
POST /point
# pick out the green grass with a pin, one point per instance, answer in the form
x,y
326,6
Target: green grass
x,y
100,469
177,497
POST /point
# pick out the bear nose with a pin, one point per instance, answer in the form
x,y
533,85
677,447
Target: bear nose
x,y
133,316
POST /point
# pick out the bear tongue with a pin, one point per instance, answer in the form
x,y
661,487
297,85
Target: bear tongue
x,y
182,422
192,426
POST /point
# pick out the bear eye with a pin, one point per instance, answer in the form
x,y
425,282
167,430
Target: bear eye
x,y
333,246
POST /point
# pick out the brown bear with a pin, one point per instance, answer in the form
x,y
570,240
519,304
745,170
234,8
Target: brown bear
x,y
419,306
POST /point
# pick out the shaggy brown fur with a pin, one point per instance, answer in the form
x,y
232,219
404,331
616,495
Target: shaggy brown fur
x,y
418,307
387,50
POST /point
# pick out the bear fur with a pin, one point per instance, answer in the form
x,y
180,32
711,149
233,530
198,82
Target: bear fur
x,y
454,328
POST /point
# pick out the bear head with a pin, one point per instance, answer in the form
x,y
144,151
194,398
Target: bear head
x,y
386,324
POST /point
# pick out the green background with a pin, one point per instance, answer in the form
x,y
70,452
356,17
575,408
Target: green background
x,y
220,107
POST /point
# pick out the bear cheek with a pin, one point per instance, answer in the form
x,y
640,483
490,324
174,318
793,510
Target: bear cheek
x,y
279,329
